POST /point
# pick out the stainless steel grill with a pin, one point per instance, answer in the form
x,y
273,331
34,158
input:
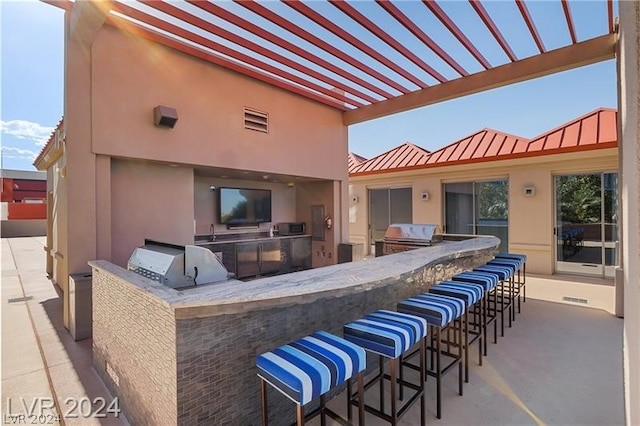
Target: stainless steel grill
x,y
177,266
401,237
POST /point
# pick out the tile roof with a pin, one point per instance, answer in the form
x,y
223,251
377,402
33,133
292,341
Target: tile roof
x,y
403,156
595,130
353,160
49,146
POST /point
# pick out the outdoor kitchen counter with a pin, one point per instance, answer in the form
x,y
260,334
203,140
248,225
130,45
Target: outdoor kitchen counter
x,y
304,287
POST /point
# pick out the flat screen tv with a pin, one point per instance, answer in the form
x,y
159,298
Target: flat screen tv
x,y
241,206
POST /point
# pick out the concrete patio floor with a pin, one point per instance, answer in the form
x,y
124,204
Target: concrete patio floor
x,y
558,365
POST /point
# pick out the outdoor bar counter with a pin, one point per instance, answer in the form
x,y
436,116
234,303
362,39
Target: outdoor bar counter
x,y
188,356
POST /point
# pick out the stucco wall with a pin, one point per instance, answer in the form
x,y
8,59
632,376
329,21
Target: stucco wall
x,y
630,119
531,219
149,201
305,138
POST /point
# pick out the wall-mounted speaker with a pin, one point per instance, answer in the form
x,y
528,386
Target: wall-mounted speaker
x,y
164,116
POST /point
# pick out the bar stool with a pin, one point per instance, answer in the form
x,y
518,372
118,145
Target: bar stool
x,y
473,296
503,275
522,273
442,313
512,267
390,334
489,283
307,369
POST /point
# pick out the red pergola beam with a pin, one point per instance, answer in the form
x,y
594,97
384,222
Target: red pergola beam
x,y
199,40
254,47
484,15
354,14
610,15
221,12
457,32
567,15
62,4
421,35
524,11
314,16
262,11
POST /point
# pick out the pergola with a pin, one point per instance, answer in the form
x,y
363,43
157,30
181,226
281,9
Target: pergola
x,y
369,59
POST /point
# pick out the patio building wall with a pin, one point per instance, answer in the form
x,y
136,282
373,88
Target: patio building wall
x,y
531,218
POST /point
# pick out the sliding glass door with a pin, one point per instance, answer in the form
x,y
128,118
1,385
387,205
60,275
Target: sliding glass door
x,y
478,208
587,223
387,206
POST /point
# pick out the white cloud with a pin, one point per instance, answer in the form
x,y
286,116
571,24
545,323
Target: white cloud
x,y
25,154
23,129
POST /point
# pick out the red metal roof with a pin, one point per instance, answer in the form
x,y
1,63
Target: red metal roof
x,y
595,130
353,160
403,156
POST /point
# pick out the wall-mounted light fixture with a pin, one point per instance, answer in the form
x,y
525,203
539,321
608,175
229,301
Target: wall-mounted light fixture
x,y
529,191
212,188
424,196
164,116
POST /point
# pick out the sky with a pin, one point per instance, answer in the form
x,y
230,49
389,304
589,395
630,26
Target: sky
x,y
31,91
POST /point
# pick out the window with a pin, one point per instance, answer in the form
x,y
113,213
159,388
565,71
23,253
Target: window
x,y
478,208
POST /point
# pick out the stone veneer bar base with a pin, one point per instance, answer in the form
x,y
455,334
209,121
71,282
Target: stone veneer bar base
x,y
188,357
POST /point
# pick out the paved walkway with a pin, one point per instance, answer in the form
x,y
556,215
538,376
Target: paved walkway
x,y
47,377
557,365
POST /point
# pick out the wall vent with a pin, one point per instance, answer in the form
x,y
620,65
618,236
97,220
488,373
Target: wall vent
x,y
256,120
575,300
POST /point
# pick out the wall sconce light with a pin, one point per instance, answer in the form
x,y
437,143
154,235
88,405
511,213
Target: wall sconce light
x,y
212,188
529,191
164,116
355,199
424,196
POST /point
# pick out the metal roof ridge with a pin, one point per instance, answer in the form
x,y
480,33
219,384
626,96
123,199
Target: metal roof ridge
x,y
571,122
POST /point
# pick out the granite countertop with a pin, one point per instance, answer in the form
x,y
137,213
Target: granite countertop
x,y
303,286
244,240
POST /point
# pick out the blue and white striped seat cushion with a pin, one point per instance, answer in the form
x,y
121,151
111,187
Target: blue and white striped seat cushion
x,y
470,293
386,333
502,272
309,367
521,257
488,281
514,261
435,308
513,265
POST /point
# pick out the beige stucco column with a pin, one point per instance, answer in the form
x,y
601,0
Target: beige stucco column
x,y
630,123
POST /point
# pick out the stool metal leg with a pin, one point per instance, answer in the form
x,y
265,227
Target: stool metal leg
x,y
299,415
263,398
460,350
438,376
381,361
323,417
360,399
394,384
